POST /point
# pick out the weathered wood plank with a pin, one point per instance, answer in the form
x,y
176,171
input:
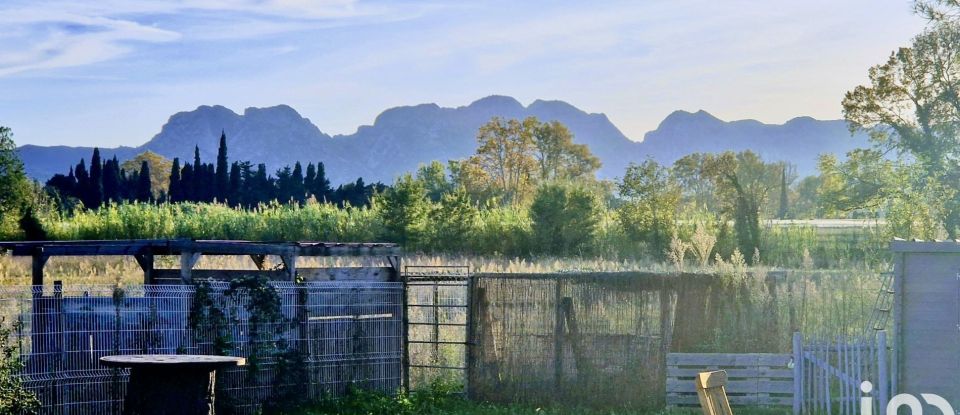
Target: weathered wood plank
x,y
736,400
686,372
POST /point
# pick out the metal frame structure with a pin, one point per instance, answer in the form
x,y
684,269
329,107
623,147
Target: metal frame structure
x,y
190,251
439,298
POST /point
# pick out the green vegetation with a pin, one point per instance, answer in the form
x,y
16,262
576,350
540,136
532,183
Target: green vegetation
x,y
441,399
14,398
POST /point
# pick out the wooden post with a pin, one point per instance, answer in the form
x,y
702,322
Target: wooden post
x,y
146,264
558,336
187,261
290,266
797,373
39,260
573,334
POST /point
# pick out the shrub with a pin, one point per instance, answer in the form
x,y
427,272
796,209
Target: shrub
x,y
14,397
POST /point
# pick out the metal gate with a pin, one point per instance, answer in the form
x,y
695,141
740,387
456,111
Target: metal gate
x,y
437,302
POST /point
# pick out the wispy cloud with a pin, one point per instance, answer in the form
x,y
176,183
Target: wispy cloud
x,y
42,35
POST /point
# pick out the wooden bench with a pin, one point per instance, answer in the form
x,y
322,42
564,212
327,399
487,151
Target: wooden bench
x,y
712,393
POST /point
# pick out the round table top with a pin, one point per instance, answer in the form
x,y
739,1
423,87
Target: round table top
x,y
182,361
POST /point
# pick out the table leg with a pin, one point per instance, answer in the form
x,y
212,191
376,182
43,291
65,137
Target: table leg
x,y
165,391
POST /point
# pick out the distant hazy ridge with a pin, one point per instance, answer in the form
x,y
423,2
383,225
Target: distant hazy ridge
x,y
403,137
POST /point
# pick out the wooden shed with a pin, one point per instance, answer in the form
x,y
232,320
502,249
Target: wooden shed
x,y
926,317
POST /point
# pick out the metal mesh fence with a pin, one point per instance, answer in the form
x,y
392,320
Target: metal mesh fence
x,y
437,304
326,337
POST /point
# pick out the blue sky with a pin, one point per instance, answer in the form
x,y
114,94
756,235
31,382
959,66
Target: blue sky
x,y
110,72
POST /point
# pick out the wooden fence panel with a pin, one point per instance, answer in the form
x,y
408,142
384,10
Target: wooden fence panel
x,y
754,379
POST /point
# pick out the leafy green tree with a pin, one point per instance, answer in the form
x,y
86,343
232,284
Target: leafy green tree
x,y
743,182
503,161
159,166
434,179
14,185
454,221
807,204
697,189
651,202
558,157
404,211
914,202
911,107
565,218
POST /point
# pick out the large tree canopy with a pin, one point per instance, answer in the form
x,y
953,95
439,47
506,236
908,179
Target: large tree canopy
x,y
14,185
911,109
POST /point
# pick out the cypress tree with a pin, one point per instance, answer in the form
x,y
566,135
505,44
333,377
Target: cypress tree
x,y
309,178
263,189
111,181
175,190
144,191
96,180
222,182
83,182
784,198
297,188
233,190
321,186
186,183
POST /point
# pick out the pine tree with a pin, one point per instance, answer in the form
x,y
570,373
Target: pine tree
x,y
223,181
309,178
175,189
95,194
144,191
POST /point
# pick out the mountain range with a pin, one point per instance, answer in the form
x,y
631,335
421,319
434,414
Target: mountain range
x,y
401,138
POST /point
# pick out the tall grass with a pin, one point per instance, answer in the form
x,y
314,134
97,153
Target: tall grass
x,y
496,232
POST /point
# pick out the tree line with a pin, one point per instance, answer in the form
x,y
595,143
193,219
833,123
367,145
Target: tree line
x,y
236,184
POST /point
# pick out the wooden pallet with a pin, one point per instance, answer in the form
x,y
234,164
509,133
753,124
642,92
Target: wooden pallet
x,y
753,379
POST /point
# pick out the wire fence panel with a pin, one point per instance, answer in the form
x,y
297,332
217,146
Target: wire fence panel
x,y
324,338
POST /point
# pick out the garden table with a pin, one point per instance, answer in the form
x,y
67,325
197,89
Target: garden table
x,y
170,384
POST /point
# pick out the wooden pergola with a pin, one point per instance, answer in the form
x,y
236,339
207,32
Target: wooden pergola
x,y
190,251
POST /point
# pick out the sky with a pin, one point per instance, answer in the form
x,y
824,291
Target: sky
x,y
111,72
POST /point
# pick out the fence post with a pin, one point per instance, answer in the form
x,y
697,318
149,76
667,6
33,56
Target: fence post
x,y
797,372
558,336
883,381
